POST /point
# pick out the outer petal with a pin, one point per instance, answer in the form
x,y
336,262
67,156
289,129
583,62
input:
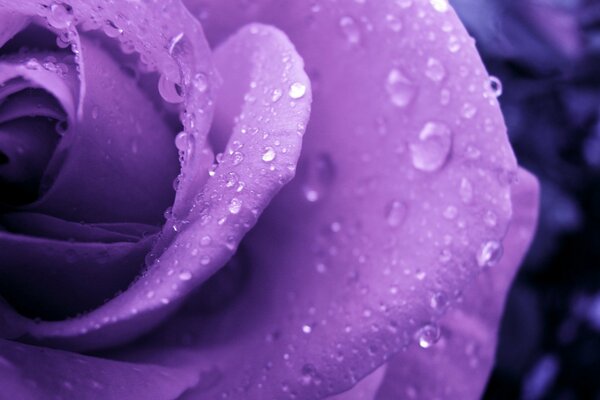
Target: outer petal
x,y
30,373
465,353
260,158
345,264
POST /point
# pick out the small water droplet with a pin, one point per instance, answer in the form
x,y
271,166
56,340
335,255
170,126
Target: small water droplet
x,y
182,141
238,157
450,212
490,218
200,82
235,205
489,254
231,179
306,329
431,151
434,70
268,154
111,29
439,301
319,174
395,213
393,22
400,89
170,91
276,95
468,110
428,335
496,86
350,29
453,44
185,275
439,5
466,190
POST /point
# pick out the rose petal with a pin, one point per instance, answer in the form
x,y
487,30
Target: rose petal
x,y
269,135
119,136
346,260
28,372
466,352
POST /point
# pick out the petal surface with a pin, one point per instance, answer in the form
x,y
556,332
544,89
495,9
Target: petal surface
x,y
405,159
29,373
260,158
458,366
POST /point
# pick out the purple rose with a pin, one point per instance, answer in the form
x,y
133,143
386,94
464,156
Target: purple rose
x,y
378,272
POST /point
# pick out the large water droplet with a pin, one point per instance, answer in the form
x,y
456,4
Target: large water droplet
x,y
439,5
431,150
268,154
60,15
489,253
170,91
495,86
111,29
428,335
400,89
297,90
395,213
182,141
350,29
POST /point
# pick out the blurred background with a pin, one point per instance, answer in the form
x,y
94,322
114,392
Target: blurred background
x,y
547,56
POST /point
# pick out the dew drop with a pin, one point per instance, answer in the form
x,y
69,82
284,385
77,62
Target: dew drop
x,y
170,91
200,82
434,70
400,89
185,275
319,176
306,329
495,86
490,218
182,141
439,5
489,254
231,179
238,157
466,190
350,29
235,205
453,44
468,110
268,154
431,151
297,90
439,301
395,213
60,15
276,95
111,29
428,335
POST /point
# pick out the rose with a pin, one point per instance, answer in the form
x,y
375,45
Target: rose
x,y
403,194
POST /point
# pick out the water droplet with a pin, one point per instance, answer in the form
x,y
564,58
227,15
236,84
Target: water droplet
x,y
111,29
450,212
490,218
431,151
200,82
395,213
495,86
182,141
297,90
400,89
453,44
60,15
466,190
185,275
235,205
393,22
434,70
468,110
350,29
231,179
428,335
170,91
268,154
439,301
277,93
319,174
489,254
306,329
238,157
439,5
